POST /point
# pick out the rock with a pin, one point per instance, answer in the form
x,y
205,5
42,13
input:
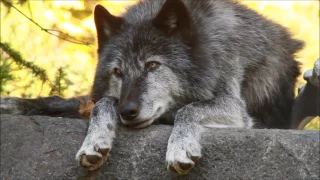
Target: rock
x,y
40,147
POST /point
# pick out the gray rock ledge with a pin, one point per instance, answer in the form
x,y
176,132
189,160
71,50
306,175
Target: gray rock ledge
x,y
39,147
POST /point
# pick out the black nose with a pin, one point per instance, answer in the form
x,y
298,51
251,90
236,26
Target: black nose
x,y
129,111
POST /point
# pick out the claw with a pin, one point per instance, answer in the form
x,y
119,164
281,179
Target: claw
x,y
104,152
195,158
92,162
180,168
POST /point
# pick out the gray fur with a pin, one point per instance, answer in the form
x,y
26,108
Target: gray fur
x,y
101,132
227,67
10,106
237,62
197,64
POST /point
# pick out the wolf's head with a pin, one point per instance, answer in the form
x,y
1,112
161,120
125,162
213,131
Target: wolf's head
x,y
145,63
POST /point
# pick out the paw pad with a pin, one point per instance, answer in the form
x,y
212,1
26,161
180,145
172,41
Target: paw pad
x,y
180,168
92,162
93,159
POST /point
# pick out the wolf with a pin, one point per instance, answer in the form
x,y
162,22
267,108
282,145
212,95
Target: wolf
x,y
196,64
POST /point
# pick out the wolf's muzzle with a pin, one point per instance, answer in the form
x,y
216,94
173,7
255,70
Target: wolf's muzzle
x,y
129,111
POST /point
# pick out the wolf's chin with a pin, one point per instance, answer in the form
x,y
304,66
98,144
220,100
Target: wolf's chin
x,y
144,123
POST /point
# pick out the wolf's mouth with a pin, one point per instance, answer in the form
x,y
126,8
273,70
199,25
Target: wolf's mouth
x,y
142,124
145,123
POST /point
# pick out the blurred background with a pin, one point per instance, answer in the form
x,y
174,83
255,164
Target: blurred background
x,y
57,56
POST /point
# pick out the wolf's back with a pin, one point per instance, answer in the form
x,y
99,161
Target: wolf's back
x,y
232,39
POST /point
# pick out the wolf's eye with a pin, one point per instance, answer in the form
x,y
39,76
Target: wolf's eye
x,y
152,65
117,71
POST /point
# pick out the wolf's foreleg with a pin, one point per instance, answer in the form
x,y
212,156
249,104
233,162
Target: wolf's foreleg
x,y
101,132
193,119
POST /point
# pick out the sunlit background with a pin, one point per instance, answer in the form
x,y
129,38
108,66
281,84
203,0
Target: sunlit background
x,y
70,67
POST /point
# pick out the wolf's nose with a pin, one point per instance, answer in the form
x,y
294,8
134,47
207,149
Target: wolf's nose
x,y
129,111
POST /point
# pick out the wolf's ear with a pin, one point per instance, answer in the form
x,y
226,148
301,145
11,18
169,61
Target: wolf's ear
x,y
174,18
106,24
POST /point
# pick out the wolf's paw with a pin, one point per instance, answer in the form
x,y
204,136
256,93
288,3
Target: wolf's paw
x,y
181,156
92,160
92,154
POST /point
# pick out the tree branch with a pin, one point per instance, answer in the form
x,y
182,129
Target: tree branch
x,y
15,55
66,37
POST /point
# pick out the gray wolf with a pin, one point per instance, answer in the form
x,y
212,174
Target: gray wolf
x,y
196,64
